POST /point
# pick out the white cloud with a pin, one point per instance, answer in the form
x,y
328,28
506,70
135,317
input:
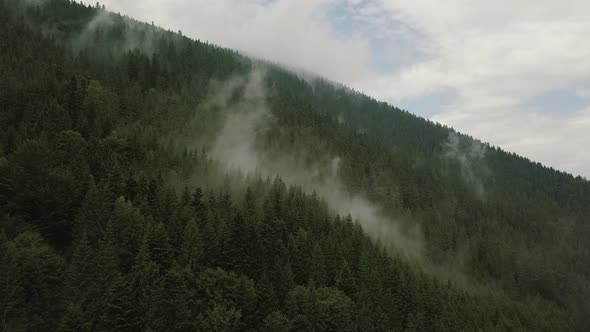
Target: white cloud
x,y
291,32
557,139
495,56
583,91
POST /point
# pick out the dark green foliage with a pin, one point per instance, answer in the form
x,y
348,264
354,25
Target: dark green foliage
x,y
114,215
323,309
32,276
278,322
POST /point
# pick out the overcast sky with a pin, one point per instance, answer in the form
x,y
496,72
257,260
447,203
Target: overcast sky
x,y
515,73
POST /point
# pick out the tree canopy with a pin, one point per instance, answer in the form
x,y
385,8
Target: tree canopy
x,y
120,208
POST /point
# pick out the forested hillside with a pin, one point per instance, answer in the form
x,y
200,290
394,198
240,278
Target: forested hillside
x,y
153,182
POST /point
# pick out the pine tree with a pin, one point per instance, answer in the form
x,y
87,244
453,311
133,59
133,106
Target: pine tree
x,y
344,278
12,306
127,229
267,298
92,218
191,247
318,266
176,310
119,309
147,290
81,288
160,250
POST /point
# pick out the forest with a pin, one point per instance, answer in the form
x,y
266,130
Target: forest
x,y
153,182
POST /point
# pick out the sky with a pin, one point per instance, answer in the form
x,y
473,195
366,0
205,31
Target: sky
x,y
514,73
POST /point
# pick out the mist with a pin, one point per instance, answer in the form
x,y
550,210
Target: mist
x,y
236,148
133,34
469,155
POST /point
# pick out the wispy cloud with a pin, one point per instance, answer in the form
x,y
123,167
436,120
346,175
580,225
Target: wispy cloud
x,y
236,148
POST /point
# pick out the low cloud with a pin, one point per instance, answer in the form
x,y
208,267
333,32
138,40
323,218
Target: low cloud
x,y
235,147
134,35
469,156
292,32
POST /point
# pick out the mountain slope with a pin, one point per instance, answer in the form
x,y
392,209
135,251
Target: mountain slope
x,y
151,181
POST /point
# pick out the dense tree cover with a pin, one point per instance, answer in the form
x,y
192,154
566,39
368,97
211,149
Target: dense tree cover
x,y
114,216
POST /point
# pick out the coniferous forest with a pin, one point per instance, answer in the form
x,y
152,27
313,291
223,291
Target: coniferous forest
x,y
150,182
